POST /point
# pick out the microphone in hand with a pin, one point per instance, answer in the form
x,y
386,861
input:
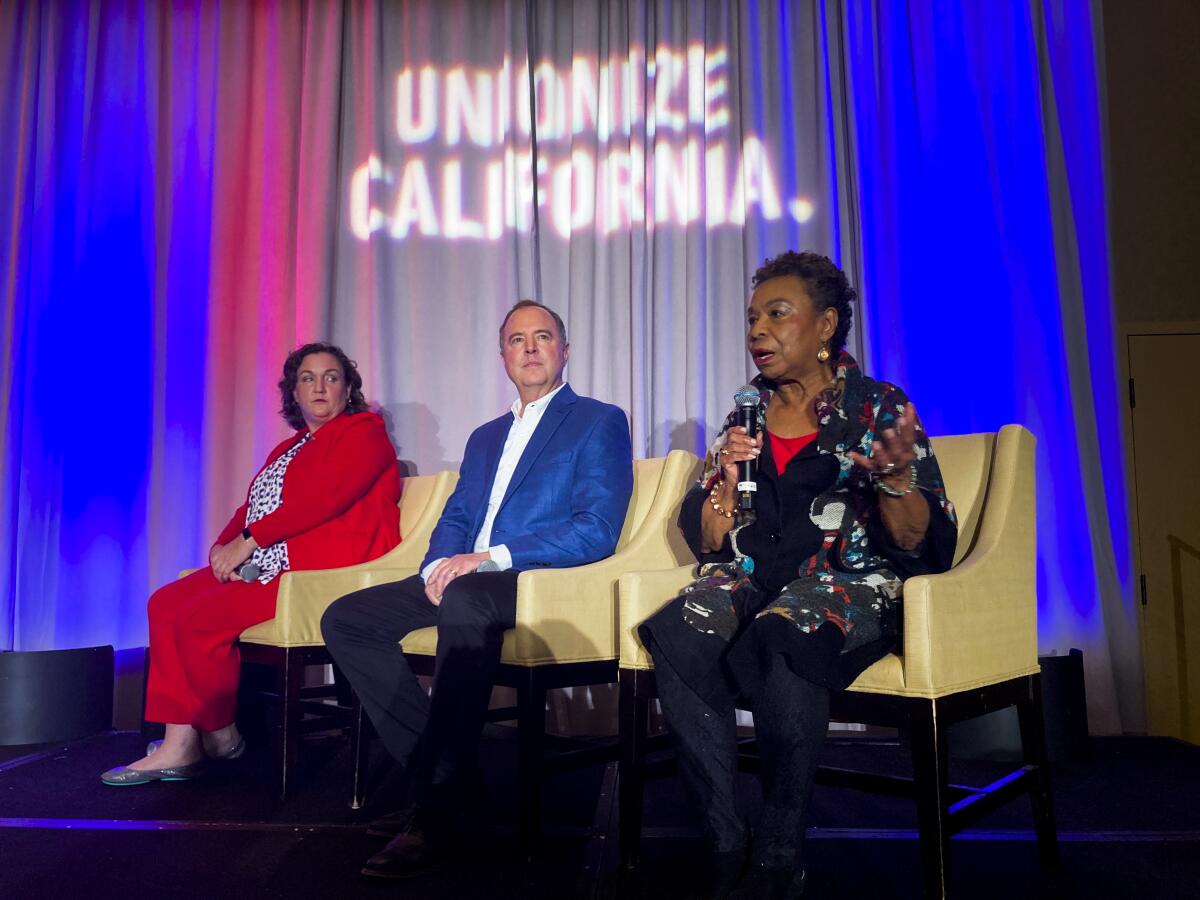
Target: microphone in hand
x,y
248,571
747,400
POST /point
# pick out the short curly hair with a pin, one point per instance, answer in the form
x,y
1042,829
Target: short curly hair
x,y
290,409
827,287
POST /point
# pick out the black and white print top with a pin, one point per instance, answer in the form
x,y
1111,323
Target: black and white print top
x,y
266,496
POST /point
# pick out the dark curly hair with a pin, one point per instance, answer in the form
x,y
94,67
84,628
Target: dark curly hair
x,y
290,409
827,287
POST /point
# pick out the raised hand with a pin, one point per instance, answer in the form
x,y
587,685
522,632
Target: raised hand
x,y
894,453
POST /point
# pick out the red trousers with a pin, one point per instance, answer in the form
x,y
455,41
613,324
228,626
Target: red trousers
x,y
194,660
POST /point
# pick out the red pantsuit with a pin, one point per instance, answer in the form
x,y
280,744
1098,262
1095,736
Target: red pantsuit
x,y
338,509
194,660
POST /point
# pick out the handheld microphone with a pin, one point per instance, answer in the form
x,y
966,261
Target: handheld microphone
x,y
248,571
488,565
746,400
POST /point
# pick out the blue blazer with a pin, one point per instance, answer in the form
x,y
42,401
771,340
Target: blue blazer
x,y
567,499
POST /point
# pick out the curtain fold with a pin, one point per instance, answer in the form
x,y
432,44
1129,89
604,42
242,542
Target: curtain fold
x,y
192,189
979,149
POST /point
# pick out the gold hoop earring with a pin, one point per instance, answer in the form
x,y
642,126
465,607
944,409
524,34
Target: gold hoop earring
x,y
823,354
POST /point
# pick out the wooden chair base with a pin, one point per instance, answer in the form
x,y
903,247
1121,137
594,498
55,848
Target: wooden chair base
x,y
303,710
943,809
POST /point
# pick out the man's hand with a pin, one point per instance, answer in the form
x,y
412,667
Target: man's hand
x,y
449,569
226,558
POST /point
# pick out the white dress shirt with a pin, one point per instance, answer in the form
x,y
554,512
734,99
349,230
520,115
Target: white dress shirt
x,y
524,423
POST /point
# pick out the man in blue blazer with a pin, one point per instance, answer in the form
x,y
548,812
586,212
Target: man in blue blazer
x,y
545,485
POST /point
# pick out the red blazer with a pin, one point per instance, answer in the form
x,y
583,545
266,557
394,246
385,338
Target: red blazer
x,y
339,496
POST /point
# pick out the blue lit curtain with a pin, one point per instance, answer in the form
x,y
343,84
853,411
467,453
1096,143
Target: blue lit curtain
x,y
189,189
979,150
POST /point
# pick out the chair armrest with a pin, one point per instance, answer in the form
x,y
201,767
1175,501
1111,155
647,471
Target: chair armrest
x,y
641,595
570,615
305,595
977,623
567,615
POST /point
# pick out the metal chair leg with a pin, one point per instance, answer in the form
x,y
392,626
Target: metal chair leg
x,y
361,733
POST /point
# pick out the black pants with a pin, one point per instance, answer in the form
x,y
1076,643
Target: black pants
x,y
791,717
434,737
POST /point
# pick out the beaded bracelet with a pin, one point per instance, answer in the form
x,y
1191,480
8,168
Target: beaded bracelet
x,y
881,485
721,511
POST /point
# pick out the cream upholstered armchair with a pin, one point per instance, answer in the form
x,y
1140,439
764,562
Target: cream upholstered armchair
x,y
566,630
292,640
969,647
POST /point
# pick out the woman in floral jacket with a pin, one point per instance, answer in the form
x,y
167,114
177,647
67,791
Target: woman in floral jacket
x,y
797,599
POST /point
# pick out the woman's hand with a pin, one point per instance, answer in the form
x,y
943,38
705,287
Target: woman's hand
x,y
714,523
905,514
739,447
893,457
226,558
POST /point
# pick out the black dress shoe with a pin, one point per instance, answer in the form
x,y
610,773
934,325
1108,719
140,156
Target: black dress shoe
x,y
414,851
393,823
461,796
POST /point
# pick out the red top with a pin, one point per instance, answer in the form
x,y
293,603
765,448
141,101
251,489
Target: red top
x,y
783,449
339,496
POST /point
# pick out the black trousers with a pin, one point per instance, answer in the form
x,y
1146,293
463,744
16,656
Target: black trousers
x,y
435,737
791,717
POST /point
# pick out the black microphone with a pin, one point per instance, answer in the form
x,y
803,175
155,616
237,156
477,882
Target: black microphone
x,y
746,400
488,565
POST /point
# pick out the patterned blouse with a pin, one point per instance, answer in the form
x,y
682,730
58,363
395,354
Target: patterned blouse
x,y
266,496
818,564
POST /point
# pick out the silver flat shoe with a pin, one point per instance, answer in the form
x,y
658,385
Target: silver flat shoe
x,y
232,753
123,775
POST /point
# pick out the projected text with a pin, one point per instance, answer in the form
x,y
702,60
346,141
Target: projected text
x,y
628,141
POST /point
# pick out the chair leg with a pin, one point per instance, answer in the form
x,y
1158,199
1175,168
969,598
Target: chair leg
x,y
290,677
361,734
531,732
145,687
342,689
631,780
931,777
1033,748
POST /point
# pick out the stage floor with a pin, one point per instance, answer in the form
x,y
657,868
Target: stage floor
x,y
1126,818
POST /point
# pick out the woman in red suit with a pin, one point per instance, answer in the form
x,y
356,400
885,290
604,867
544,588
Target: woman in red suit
x,y
325,497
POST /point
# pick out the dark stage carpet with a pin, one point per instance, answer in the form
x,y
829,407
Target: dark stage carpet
x,y
1126,818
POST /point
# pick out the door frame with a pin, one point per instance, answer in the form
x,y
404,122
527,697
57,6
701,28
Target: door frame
x,y
1125,331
